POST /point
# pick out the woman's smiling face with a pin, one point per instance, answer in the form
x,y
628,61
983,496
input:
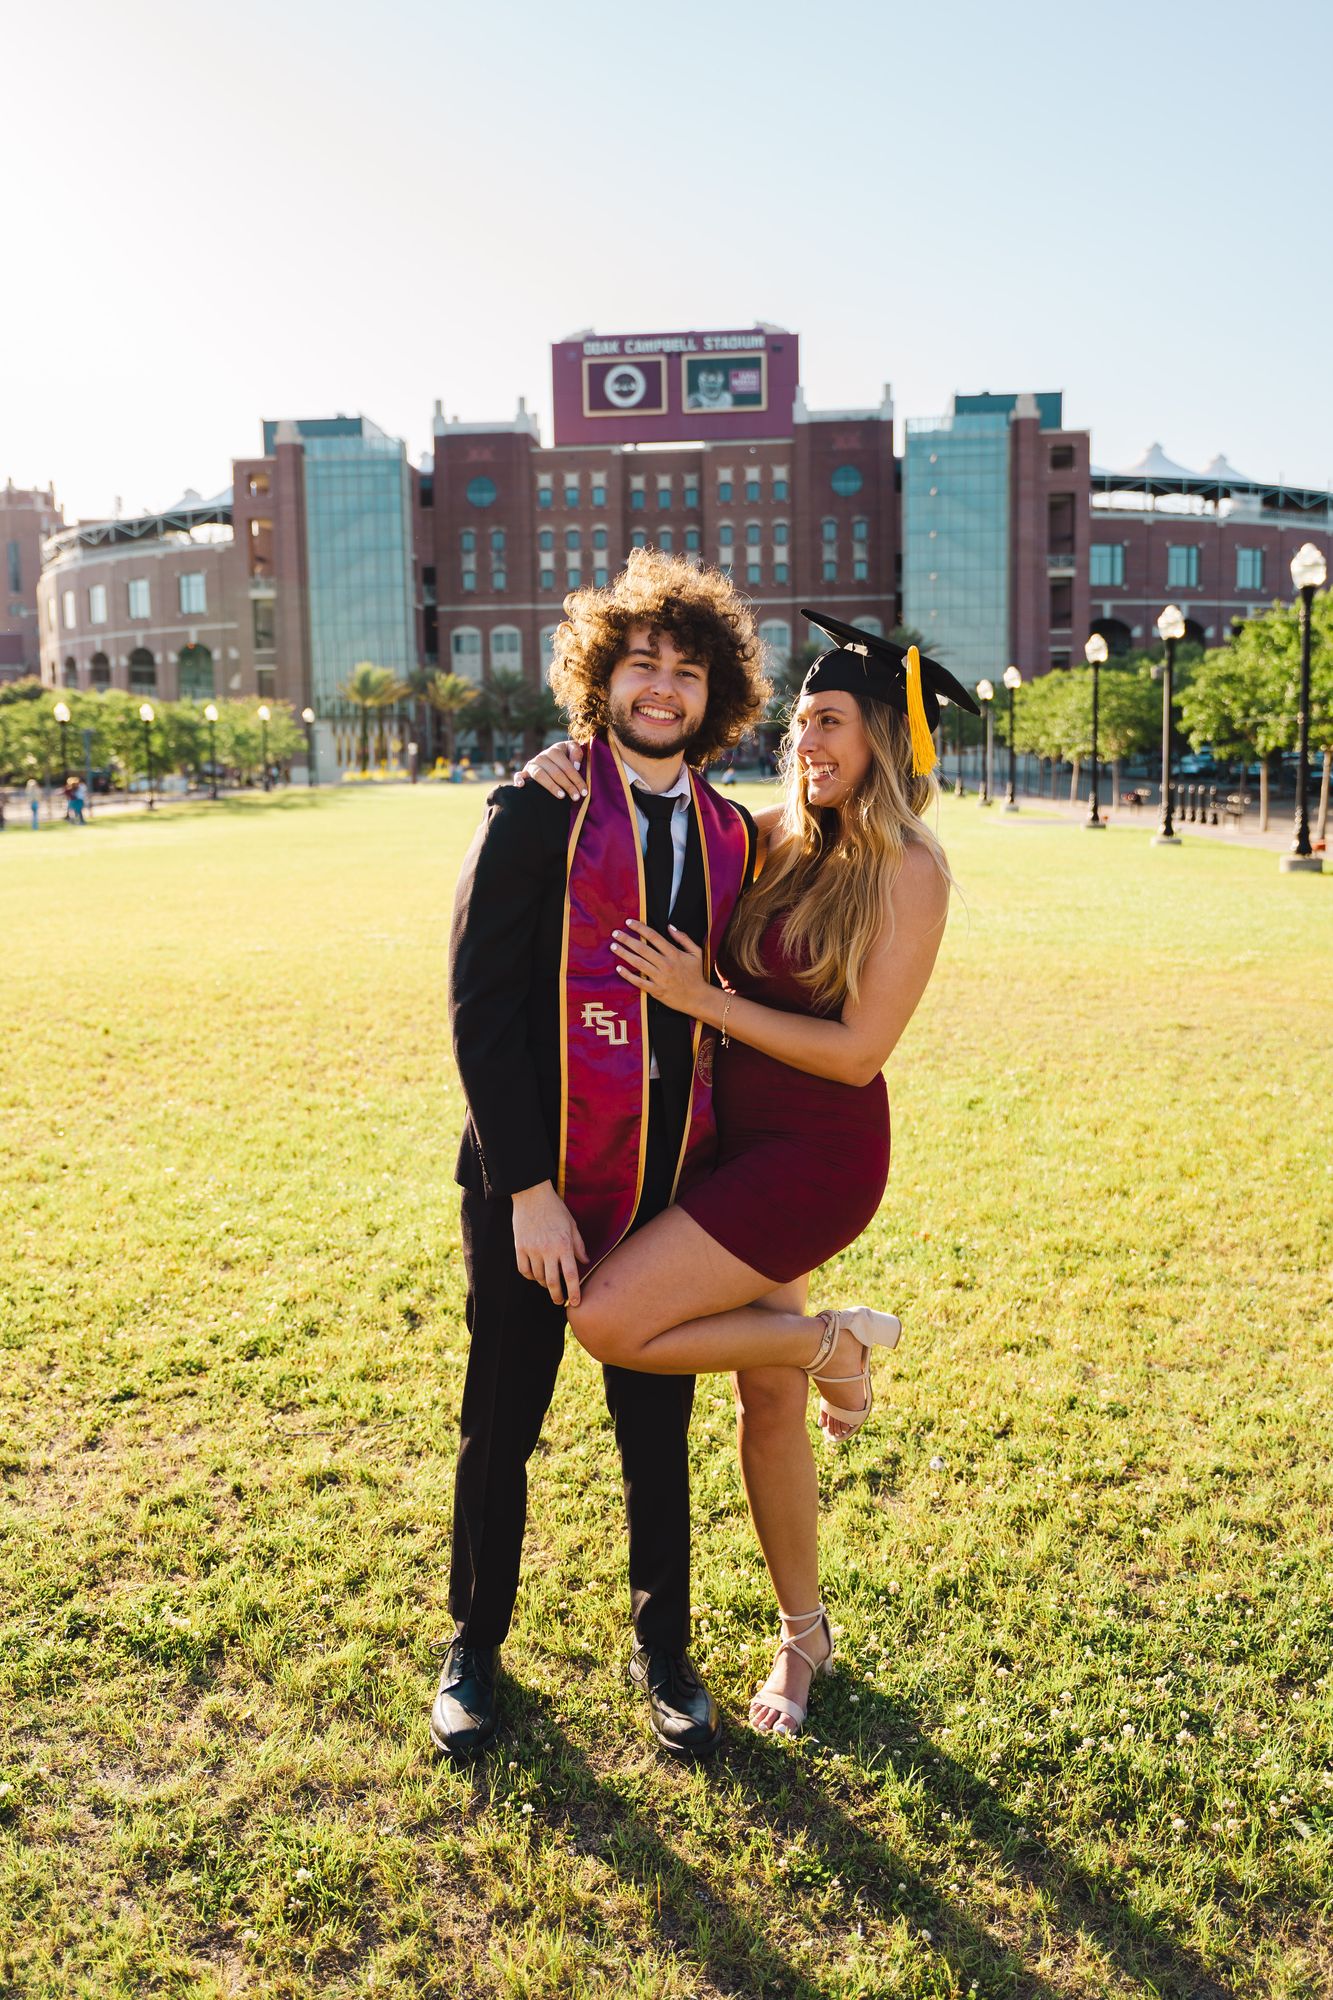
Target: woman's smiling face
x,y
832,747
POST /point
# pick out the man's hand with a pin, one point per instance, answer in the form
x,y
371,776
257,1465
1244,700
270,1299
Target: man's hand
x,y
547,1243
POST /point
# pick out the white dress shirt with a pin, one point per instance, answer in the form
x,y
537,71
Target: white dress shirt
x,y
679,793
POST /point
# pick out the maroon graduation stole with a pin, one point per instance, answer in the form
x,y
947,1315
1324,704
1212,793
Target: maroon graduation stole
x,y
604,1020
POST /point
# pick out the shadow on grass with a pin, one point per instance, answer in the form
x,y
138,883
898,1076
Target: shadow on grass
x,y
1078,1899
825,1849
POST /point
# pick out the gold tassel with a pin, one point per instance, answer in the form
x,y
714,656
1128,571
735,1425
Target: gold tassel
x,y
923,743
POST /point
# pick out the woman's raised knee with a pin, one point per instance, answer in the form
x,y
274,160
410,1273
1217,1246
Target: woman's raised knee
x,y
771,1398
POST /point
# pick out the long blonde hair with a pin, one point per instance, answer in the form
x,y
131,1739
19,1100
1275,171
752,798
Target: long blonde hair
x,y
828,868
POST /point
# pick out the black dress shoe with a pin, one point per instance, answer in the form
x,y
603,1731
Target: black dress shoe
x,y
684,1714
466,1715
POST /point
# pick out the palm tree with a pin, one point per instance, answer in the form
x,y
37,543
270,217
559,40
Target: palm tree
x,y
504,703
449,695
367,687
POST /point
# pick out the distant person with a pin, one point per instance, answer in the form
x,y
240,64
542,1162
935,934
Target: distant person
x,y
4,801
33,792
80,801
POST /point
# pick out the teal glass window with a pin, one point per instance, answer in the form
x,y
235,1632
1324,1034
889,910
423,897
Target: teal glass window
x,y
726,534
691,496
599,496
638,500
860,572
846,481
1182,565
829,530
663,499
780,489
601,577
571,496
573,539
482,492
1106,563
780,533
754,573
781,573
666,541
499,580
545,497
754,534
469,580
467,541
693,539
752,490
638,540
1249,569
599,538
830,572
545,539
547,579
497,539
573,579
724,490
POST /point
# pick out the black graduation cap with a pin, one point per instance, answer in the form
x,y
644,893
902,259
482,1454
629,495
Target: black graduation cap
x,y
863,663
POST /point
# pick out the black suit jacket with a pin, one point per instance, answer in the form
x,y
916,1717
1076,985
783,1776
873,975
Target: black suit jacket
x,y
504,989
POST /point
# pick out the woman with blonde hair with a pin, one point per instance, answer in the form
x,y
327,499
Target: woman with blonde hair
x,y
825,961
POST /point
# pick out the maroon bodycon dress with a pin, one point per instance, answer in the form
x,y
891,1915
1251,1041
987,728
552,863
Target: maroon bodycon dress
x,y
802,1161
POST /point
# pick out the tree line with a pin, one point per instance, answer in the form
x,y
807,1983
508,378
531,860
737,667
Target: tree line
x,y
1239,701
179,737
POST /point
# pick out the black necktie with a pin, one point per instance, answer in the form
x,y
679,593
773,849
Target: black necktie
x,y
659,859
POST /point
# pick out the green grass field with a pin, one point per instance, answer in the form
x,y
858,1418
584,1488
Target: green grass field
x,y
1081,1737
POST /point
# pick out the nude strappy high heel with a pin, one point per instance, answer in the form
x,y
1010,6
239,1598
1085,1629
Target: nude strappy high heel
x,y
809,1622
872,1329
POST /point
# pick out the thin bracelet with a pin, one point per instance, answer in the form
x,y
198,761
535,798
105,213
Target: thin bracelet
x,y
726,1038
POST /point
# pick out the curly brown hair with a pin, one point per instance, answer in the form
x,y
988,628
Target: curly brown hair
x,y
698,609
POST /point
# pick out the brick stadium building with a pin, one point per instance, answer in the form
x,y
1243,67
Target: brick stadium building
x,y
993,534
27,517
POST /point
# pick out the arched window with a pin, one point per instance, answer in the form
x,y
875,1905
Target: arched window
x,y
143,671
465,652
507,647
196,673
781,533
726,534
100,676
775,638
754,534
828,528
1116,633
71,673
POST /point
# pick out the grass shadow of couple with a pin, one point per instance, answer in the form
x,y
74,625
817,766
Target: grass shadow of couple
x,y
796,1799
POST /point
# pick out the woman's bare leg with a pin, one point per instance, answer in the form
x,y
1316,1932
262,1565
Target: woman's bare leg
x,y
672,1301
778,1467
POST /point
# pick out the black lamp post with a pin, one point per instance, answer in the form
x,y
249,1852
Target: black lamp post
x,y
1013,680
1096,653
308,717
263,743
146,717
986,695
1309,572
1171,627
211,718
61,713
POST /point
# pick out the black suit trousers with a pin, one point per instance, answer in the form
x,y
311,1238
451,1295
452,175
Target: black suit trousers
x,y
517,1340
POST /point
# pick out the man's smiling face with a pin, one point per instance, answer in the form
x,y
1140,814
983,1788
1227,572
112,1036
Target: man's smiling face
x,y
657,695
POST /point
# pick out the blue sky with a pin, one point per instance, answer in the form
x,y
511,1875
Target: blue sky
x,y
220,214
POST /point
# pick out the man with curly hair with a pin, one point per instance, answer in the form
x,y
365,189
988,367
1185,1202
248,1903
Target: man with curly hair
x,y
588,1105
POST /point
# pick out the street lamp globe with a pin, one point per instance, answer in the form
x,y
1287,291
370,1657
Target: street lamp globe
x,y
1096,652
985,691
211,713
146,711
307,716
1171,624
1013,678
1309,571
263,713
61,712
